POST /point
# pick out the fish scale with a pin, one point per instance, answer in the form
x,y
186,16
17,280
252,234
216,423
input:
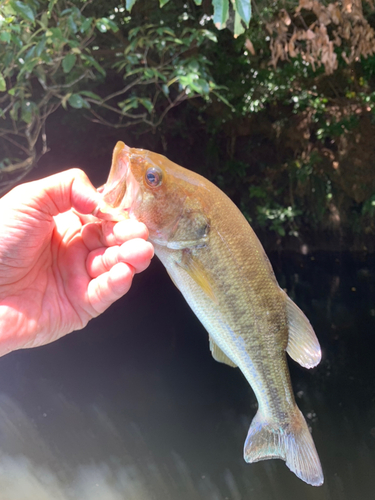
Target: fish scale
x,y
215,259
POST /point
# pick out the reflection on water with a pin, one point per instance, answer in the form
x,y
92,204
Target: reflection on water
x,y
134,407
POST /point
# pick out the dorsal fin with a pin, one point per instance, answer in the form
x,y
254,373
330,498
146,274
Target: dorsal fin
x,y
218,354
303,346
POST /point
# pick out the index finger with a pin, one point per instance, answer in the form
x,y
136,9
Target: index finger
x,y
105,233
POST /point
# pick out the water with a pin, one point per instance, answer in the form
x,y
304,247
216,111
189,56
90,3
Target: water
x,y
133,407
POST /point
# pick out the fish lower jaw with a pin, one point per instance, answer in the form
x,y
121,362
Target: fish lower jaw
x,y
106,212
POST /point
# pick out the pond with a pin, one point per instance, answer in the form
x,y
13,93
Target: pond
x,y
134,407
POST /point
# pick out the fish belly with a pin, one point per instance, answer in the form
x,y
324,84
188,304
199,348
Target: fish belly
x,y
246,337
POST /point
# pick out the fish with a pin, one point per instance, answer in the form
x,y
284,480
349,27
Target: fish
x,y
217,262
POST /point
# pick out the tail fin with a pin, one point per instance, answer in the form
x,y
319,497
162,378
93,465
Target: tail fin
x,y
290,441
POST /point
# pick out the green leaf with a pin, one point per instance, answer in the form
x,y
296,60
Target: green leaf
x,y
50,7
203,86
104,24
30,53
23,10
55,34
134,32
72,25
8,59
129,4
64,100
94,63
149,73
27,67
211,36
40,74
28,109
5,36
194,66
76,101
147,104
133,72
133,58
15,27
221,13
111,24
86,25
40,47
101,26
162,77
14,111
238,27
68,62
3,85
131,103
163,2
198,2
87,93
243,7
44,20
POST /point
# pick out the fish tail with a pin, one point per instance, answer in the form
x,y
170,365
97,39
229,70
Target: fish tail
x,y
291,441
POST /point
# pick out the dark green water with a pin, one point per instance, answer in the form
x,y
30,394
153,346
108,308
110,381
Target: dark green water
x,y
133,407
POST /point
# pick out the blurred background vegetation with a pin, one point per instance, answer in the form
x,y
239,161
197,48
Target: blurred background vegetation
x,y
279,112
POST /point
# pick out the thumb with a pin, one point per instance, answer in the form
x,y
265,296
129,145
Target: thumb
x,y
61,192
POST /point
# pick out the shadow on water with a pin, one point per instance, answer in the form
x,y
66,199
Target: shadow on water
x,y
133,407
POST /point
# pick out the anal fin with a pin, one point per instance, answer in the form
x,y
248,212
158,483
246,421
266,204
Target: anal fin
x,y
219,355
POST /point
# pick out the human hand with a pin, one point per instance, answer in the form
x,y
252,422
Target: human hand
x,y
57,270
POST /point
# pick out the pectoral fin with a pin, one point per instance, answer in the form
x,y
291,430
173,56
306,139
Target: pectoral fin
x,y
218,354
198,273
303,346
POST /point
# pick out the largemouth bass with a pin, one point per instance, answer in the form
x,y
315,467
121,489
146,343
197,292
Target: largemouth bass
x,y
215,259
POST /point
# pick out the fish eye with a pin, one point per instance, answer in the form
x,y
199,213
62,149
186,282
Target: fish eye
x,y
153,177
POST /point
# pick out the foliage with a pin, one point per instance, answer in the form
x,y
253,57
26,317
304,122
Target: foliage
x,y
309,132
271,214
282,116
225,12
369,206
314,29
58,53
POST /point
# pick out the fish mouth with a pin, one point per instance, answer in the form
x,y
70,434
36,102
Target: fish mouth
x,y
121,188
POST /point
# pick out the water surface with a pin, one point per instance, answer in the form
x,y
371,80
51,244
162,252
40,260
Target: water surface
x,y
134,407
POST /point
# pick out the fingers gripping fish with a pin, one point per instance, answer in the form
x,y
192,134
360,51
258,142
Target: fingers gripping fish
x,y
215,259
